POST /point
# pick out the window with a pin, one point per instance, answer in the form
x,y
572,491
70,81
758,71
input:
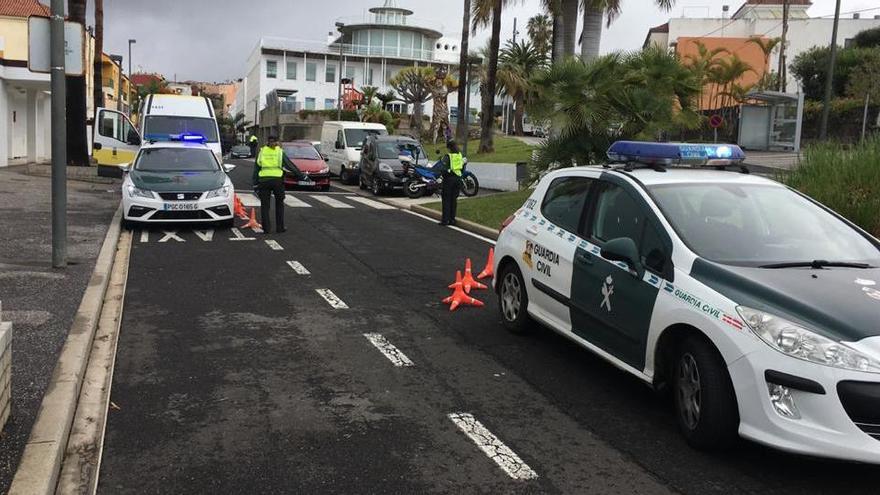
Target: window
x,y
291,70
115,126
162,126
310,103
369,76
340,139
176,160
329,103
564,201
349,73
271,69
311,71
330,73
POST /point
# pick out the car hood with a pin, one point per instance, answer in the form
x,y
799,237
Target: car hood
x,y
309,166
840,303
178,181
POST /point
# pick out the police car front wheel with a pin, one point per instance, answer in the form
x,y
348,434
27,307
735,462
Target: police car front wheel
x,y
705,403
513,300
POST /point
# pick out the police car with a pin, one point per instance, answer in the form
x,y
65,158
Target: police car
x,y
177,181
756,306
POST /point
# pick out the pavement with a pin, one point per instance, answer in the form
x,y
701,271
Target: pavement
x,y
41,301
321,360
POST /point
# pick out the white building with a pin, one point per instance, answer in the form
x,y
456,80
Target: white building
x,y
764,18
306,74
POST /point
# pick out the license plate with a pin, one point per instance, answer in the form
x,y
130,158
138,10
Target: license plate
x,y
180,206
307,182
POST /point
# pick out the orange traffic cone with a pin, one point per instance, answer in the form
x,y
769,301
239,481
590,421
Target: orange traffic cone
x,y
252,223
239,209
458,297
488,272
468,282
457,282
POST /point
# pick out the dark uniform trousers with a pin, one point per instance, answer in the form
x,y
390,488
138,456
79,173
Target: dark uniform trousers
x,y
449,196
265,189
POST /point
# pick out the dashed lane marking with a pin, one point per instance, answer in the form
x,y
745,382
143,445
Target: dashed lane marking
x,y
295,202
298,268
393,354
205,235
371,203
145,236
331,299
334,203
493,447
274,245
249,199
239,236
171,235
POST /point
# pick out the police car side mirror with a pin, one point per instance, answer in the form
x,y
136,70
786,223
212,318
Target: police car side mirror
x,y
622,249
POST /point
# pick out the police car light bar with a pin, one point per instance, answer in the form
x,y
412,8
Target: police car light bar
x,y
187,137
675,153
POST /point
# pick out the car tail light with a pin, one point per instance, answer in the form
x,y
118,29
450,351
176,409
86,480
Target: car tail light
x,y
507,221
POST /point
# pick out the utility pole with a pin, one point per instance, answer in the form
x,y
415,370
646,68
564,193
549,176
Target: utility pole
x,y
514,30
130,83
59,137
462,122
826,105
782,61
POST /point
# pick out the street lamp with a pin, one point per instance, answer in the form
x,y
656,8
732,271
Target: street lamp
x,y
339,26
130,102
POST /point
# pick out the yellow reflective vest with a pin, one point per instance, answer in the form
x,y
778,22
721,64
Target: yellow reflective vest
x,y
456,163
269,162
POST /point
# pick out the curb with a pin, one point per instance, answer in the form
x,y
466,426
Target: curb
x,y
82,174
40,463
461,223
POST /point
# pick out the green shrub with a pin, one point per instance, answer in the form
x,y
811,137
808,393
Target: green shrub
x,y
844,178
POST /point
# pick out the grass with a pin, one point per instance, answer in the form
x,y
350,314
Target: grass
x,y
489,210
844,178
507,150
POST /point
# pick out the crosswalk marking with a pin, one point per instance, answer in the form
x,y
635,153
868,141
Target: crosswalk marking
x,y
389,350
298,267
249,199
371,203
327,200
295,202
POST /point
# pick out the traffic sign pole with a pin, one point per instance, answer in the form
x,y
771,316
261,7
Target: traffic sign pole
x,y
59,138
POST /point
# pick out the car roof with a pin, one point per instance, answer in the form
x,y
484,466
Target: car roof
x,y
396,138
672,175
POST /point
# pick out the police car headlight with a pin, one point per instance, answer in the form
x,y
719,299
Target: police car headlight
x,y
796,341
384,167
136,192
221,192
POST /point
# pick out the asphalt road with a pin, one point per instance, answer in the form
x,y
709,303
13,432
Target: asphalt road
x,y
235,375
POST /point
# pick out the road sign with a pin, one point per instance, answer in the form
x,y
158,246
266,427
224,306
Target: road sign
x,y
39,47
716,121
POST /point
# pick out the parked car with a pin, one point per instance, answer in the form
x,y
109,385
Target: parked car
x,y
314,170
384,159
240,151
341,143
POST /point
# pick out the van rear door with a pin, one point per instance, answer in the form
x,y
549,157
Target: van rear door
x,y
115,142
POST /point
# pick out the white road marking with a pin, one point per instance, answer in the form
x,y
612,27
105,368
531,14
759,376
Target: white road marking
x,y
295,202
205,235
335,203
387,348
371,203
239,236
476,236
145,236
171,235
249,200
493,447
274,245
298,267
331,299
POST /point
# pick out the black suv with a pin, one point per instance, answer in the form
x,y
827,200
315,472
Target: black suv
x,y
383,159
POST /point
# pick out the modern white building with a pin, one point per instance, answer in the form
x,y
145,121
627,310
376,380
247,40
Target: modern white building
x,y
369,51
764,18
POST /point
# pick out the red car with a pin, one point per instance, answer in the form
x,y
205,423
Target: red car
x,y
307,159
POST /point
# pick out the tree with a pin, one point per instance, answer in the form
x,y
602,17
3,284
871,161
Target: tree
x,y
374,112
869,38
484,12
701,65
369,93
519,62
810,69
413,84
386,98
540,29
77,140
441,86
97,75
461,121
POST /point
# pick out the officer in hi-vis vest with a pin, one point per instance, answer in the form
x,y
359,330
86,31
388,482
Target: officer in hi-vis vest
x,y
452,163
252,144
269,180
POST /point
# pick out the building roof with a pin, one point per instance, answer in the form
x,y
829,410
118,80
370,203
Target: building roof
x,y
662,28
778,3
22,8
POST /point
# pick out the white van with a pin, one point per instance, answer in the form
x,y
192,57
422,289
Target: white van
x,y
341,144
162,116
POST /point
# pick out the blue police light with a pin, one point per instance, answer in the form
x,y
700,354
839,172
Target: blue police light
x,y
671,153
191,137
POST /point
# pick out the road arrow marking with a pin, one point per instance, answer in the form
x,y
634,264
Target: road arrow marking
x,y
205,235
171,235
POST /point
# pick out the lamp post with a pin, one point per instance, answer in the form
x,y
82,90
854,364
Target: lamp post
x,y
130,102
339,26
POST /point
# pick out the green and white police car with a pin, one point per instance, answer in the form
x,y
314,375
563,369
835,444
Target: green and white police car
x,y
179,180
758,307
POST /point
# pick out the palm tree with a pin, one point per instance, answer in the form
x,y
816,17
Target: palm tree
x,y
519,62
77,141
369,93
413,84
594,11
386,98
702,65
484,13
97,75
540,29
461,122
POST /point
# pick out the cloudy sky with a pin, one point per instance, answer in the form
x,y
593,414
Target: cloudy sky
x,y
210,39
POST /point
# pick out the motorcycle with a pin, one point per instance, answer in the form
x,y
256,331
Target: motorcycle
x,y
425,180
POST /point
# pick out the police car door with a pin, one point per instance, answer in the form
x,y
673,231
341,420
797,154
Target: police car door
x,y
550,243
612,304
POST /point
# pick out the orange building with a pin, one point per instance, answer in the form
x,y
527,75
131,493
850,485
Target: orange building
x,y
688,48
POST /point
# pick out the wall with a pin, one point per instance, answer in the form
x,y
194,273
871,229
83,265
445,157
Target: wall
x,y
15,32
749,53
498,176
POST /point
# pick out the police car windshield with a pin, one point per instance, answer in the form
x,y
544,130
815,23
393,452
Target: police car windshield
x,y
757,225
160,126
176,160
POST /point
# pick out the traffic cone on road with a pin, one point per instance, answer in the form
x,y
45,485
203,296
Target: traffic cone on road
x,y
488,272
458,296
252,222
468,282
239,209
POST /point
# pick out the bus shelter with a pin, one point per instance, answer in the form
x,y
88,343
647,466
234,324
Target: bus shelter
x,y
771,121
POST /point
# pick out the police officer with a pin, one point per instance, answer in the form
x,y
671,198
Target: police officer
x,y
252,143
269,180
452,164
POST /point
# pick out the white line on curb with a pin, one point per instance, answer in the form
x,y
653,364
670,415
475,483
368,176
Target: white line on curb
x,y
476,236
294,202
239,236
272,243
331,299
298,267
371,203
387,348
335,203
493,447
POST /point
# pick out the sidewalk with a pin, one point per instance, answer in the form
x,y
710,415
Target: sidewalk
x,y
39,300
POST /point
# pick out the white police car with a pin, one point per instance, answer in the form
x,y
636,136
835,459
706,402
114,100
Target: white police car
x,y
177,181
757,306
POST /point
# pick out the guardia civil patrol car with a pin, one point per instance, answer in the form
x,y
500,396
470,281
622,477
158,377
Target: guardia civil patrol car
x,y
179,180
756,306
